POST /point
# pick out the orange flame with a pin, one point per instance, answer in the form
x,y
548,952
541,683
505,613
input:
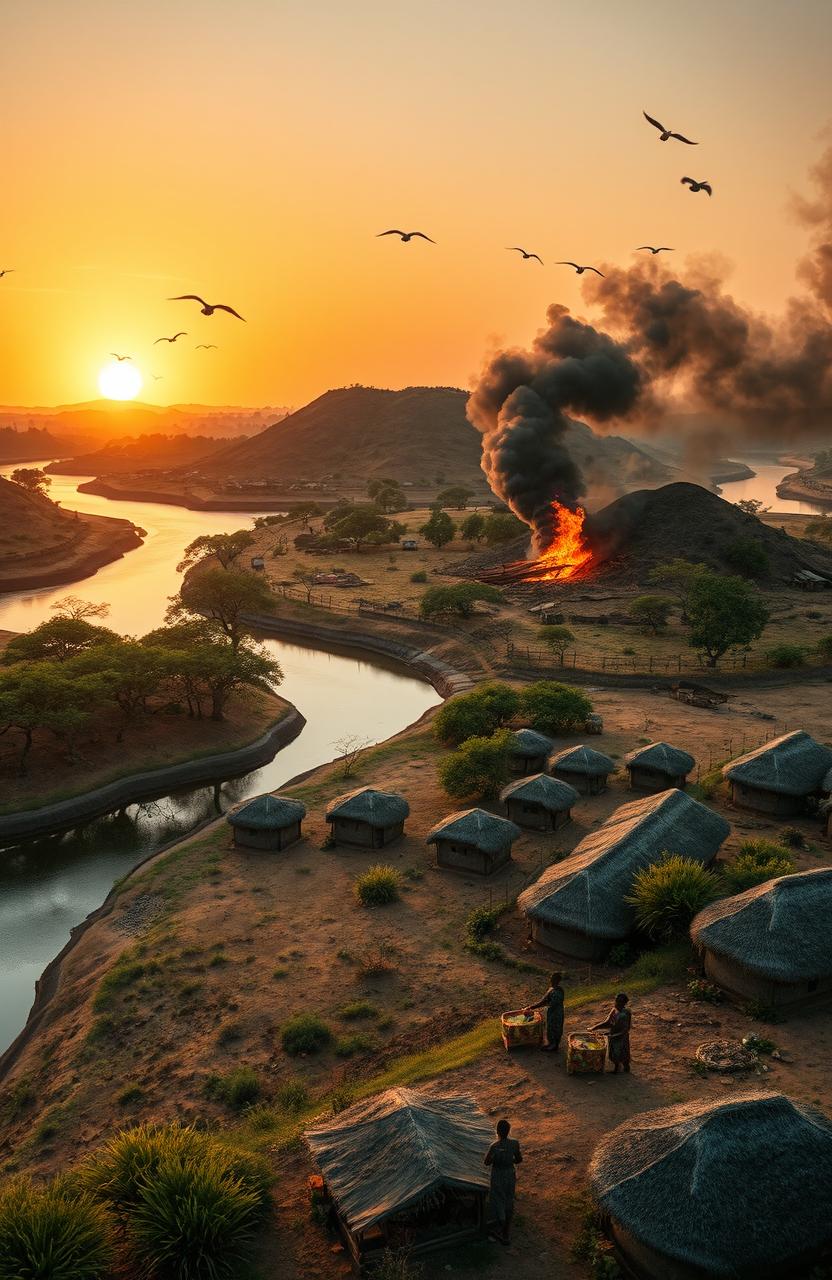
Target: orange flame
x,y
568,553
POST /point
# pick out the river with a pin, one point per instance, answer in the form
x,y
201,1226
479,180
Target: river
x,y
763,487
48,887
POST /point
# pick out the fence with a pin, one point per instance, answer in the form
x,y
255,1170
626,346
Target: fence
x,y
637,664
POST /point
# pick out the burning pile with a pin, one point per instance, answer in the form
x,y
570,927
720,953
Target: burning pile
x,y
566,556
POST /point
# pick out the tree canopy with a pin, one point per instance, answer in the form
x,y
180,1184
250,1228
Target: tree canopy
x,y
456,495
438,529
34,479
224,547
458,599
724,613
224,596
554,708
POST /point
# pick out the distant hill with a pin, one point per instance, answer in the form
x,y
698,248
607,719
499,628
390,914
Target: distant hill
x,y
83,427
30,523
154,452
24,446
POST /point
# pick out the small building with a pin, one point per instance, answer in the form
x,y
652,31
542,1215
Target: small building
x,y
658,767
367,817
528,751
779,777
736,1188
404,1172
578,907
409,544
473,840
584,769
269,822
771,944
539,802
258,563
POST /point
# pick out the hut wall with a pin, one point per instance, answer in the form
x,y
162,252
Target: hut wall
x,y
746,985
654,780
352,831
467,857
522,766
760,801
568,942
535,816
257,838
583,784
646,1262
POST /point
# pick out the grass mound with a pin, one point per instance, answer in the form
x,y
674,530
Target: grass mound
x,y
52,1233
378,886
305,1033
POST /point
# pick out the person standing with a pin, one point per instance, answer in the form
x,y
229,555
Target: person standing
x,y
502,1159
617,1024
552,1002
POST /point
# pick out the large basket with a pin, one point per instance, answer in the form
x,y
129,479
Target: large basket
x,y
522,1030
586,1053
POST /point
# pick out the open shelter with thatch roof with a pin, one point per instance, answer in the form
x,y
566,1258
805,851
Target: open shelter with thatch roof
x,y
780,776
540,802
578,906
528,751
772,943
658,766
473,840
405,1171
735,1188
367,817
584,769
267,822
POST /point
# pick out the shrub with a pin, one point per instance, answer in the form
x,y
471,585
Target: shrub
x,y
133,1093
305,1033
348,1046
475,714
651,612
378,886
358,1009
292,1096
237,1088
667,895
824,646
457,600
621,956
793,838
52,1233
478,769
747,556
756,862
554,708
786,655
701,989
419,576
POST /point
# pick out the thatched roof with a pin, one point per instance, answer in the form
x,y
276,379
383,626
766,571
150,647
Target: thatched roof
x,y
268,813
476,827
527,742
737,1185
383,1156
792,765
594,764
663,757
552,794
586,891
780,929
378,808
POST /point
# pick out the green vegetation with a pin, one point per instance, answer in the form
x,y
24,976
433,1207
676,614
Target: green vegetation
x,y
378,886
358,1009
439,529
454,496
667,895
224,547
724,614
756,862
305,1033
52,1232
554,708
349,1046
786,655
502,526
421,575
651,612
458,600
472,528
746,556
559,640
476,714
478,769
238,1088
678,578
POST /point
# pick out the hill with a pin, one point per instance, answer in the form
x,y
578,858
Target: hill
x,y
135,454
25,446
83,427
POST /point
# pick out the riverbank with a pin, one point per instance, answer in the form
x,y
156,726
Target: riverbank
x,y
95,541
177,497
796,486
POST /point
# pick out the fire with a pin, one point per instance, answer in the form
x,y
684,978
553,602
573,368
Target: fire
x,y
568,552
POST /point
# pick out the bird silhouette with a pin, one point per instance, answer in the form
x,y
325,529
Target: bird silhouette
x,y
208,308
157,377
668,133
120,358
7,272
580,270
515,248
181,334
405,235
205,346
697,186
663,248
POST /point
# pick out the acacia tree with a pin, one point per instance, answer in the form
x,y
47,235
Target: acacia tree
x,y
225,547
724,613
57,639
456,495
224,670
651,612
558,639
44,696
224,596
76,608
34,479
366,524
438,529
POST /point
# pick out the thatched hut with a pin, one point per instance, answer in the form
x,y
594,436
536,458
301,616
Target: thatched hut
x,y
528,751
779,777
737,1188
367,817
540,802
771,943
584,769
269,822
473,840
658,767
405,1171
577,906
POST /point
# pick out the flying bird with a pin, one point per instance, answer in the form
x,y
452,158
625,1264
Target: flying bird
x,y
580,270
208,308
697,186
181,334
668,133
157,377
7,272
120,358
663,248
515,248
205,346
405,235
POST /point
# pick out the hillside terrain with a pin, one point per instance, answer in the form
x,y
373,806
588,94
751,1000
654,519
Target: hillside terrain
x,y
152,452
82,427
26,446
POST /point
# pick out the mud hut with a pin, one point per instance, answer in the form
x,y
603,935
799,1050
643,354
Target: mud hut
x,y
577,907
473,840
739,1187
528,751
658,767
771,943
584,769
405,1171
779,777
269,822
540,802
367,817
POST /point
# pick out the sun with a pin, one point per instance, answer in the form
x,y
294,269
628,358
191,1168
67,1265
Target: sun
x,y
120,380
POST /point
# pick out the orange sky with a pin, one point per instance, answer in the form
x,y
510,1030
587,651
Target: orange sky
x,y
249,150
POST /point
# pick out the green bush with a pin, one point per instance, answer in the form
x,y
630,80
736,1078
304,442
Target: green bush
x,y
349,1046
477,770
378,886
667,895
793,838
824,646
747,557
476,714
420,575
358,1009
457,600
52,1233
554,708
651,612
292,1096
305,1033
237,1088
786,655
756,862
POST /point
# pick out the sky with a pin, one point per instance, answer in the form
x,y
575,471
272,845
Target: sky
x,y
251,150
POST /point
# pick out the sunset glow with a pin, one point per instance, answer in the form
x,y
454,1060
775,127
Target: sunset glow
x,y
120,380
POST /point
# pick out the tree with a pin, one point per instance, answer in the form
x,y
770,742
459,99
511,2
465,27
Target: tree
x,y
473,527
477,770
44,695
130,672
362,523
724,613
57,639
747,556
502,526
456,600
75,607
387,495
223,595
225,670
558,639
34,479
306,579
200,666
375,486
678,577
456,495
475,714
438,529
651,612
349,750
225,547
554,708
751,506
